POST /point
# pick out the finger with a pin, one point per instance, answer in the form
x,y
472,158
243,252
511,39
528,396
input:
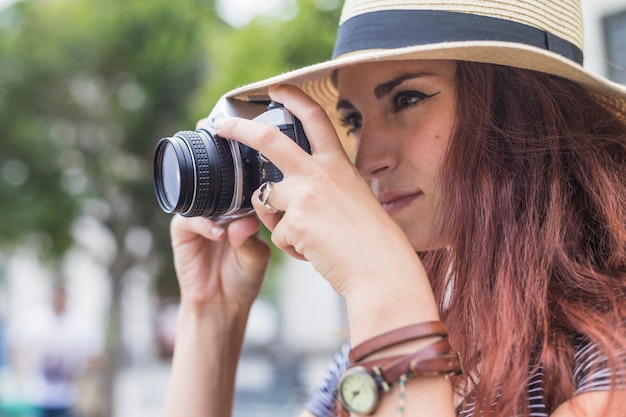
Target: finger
x,y
204,123
240,230
265,210
267,139
271,216
317,126
279,238
264,200
184,229
269,219
291,251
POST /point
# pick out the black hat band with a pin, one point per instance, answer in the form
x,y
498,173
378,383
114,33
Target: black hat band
x,y
390,29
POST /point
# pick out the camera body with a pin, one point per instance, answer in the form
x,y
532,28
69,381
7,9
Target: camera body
x,y
198,173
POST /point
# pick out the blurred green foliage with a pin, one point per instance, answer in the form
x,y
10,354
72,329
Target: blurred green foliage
x,y
87,87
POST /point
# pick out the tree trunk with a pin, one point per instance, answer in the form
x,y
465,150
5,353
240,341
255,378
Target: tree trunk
x,y
114,348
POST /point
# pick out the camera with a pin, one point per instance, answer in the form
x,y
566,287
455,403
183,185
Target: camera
x,y
198,173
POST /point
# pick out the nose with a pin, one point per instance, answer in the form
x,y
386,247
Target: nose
x,y
376,152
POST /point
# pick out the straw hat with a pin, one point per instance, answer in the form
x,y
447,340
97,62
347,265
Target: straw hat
x,y
541,35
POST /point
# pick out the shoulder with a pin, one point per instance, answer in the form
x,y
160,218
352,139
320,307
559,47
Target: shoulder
x,y
323,400
591,404
600,382
598,370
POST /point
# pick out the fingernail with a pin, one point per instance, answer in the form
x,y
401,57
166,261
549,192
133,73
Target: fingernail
x,y
217,125
216,231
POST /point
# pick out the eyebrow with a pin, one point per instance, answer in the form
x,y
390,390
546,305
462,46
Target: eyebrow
x,y
385,88
344,104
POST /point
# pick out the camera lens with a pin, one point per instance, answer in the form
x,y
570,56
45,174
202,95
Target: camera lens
x,y
171,176
194,174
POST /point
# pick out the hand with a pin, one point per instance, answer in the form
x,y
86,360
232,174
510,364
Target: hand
x,y
327,213
221,267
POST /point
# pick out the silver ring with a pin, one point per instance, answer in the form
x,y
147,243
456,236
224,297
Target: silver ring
x,y
263,196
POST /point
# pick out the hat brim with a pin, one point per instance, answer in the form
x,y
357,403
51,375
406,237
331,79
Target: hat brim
x,y
316,80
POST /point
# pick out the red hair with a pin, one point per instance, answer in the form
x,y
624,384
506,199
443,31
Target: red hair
x,y
534,208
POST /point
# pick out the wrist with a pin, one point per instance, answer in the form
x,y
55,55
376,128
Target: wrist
x,y
219,318
208,343
396,299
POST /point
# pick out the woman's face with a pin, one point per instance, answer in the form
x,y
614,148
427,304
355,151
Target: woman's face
x,y
401,115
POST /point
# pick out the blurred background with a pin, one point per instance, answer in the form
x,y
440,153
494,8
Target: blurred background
x,y
87,289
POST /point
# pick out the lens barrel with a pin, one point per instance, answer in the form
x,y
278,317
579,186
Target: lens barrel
x,y
198,173
194,174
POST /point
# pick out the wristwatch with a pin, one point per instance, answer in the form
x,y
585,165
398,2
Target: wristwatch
x,y
360,389
363,384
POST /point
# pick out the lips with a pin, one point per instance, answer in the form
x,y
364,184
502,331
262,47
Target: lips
x,y
394,202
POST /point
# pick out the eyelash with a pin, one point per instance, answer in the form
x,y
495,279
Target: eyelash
x,y
417,95
353,120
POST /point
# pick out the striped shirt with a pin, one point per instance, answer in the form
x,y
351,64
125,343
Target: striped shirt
x,y
591,373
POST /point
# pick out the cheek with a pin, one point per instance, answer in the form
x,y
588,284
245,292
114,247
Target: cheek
x,y
440,148
427,148
440,142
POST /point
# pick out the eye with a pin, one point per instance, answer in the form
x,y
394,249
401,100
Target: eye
x,y
352,122
405,99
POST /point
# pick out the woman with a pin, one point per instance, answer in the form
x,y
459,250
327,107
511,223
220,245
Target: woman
x,y
487,193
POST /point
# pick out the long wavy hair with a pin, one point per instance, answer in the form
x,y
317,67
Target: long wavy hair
x,y
535,208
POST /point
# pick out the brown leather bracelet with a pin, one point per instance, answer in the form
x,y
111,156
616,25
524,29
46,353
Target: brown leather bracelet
x,y
395,337
435,359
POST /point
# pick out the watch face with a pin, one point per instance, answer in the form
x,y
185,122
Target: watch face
x,y
358,391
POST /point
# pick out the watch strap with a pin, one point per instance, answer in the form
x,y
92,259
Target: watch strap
x,y
395,337
433,360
